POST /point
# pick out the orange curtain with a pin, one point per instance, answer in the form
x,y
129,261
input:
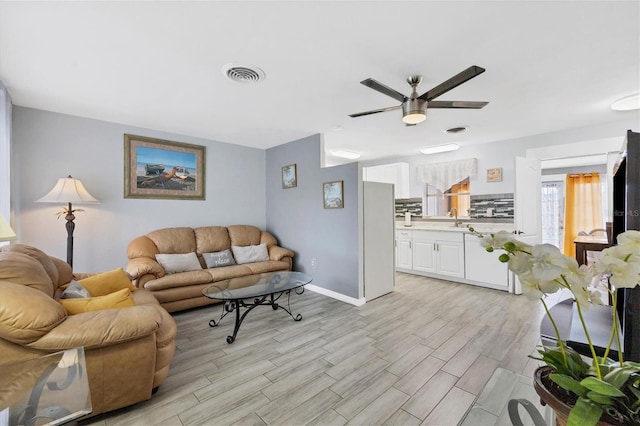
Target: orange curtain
x,y
461,204
582,208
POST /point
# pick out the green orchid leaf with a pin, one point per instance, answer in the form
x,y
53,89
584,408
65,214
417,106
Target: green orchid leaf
x,y
600,399
617,377
601,387
584,413
568,383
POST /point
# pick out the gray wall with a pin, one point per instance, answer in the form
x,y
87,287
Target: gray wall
x,y
48,146
297,217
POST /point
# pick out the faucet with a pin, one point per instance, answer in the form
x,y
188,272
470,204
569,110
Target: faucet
x,y
456,222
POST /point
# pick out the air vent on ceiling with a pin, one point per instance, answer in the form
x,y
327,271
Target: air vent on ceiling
x,y
455,130
243,73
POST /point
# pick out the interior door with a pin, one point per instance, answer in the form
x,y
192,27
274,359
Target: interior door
x,y
527,205
379,236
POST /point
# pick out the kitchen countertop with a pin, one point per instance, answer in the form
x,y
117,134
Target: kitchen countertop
x,y
448,226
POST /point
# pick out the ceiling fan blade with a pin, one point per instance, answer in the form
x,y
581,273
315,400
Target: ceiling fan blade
x,y
456,104
375,111
453,82
376,85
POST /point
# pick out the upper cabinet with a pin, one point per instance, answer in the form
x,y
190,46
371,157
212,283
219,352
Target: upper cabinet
x,y
395,173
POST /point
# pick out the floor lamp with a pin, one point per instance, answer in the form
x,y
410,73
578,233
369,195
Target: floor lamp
x,y
69,190
6,233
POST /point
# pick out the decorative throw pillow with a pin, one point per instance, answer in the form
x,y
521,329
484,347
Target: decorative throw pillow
x,y
119,299
221,258
173,263
75,291
107,282
250,254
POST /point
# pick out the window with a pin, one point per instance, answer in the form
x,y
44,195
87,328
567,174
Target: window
x,y
457,197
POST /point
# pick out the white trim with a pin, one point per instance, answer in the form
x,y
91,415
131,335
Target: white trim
x,y
339,296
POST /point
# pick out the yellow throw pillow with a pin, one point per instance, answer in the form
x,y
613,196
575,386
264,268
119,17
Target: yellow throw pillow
x,y
107,282
119,299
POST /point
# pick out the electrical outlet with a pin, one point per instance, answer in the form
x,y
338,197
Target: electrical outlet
x,y
314,263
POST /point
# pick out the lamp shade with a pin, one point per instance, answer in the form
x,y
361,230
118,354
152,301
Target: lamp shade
x,y
6,233
68,190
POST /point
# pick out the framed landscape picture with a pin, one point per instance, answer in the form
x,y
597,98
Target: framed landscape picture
x,y
156,168
332,195
289,176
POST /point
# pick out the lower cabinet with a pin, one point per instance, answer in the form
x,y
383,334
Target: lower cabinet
x,y
404,250
482,267
453,255
439,253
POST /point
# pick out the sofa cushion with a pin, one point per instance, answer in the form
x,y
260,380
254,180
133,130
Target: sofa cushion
x,y
250,254
180,279
107,282
27,314
22,269
211,239
174,263
119,299
174,240
268,266
244,235
142,247
221,258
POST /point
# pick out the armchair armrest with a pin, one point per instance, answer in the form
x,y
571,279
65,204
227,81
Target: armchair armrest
x,y
101,328
278,253
144,265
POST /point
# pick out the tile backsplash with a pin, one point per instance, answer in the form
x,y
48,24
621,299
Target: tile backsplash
x,y
413,205
491,205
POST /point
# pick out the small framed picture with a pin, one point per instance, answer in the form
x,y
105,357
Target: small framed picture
x,y
494,175
289,176
332,194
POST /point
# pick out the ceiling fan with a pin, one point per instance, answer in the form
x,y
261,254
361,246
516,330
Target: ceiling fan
x,y
414,107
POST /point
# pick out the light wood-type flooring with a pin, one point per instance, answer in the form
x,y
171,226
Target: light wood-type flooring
x,y
420,355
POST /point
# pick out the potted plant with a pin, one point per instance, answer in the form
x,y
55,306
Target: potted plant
x,y
582,391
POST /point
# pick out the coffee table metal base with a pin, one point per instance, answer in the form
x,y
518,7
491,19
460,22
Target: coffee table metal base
x,y
266,300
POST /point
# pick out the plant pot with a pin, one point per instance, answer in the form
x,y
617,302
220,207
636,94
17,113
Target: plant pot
x,y
559,407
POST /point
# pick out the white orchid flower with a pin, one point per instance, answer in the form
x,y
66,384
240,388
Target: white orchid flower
x,y
548,263
496,240
631,238
624,274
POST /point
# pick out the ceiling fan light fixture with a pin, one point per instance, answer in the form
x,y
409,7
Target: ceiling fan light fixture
x,y
440,148
414,111
627,103
349,155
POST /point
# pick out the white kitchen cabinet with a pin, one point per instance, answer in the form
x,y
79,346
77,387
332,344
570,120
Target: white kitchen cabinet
x,y
395,173
404,250
440,253
484,268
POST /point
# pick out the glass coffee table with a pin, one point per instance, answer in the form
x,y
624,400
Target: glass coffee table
x,y
252,291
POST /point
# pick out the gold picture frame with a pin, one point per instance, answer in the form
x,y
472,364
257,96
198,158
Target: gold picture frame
x,y
289,176
333,194
157,168
494,175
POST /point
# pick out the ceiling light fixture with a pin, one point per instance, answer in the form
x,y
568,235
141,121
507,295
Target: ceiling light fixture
x,y
440,148
349,155
414,111
626,104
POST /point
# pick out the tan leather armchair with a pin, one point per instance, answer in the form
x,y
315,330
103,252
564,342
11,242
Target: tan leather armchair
x,y
127,350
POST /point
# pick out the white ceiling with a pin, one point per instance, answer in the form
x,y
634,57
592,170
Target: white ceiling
x,y
550,66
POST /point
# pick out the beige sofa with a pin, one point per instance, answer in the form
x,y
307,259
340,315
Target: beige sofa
x,y
183,290
127,350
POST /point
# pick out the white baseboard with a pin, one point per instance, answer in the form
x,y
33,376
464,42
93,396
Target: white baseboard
x,y
339,296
